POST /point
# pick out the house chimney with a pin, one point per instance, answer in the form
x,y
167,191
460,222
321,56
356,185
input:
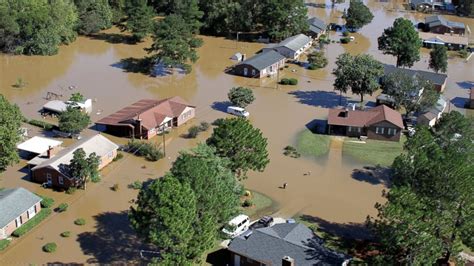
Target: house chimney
x,y
50,152
287,261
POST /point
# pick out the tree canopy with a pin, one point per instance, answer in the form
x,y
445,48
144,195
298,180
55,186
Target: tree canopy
x,y
241,96
94,15
430,208
317,59
140,19
83,167
73,120
77,97
244,145
359,73
439,58
10,122
284,18
358,15
402,41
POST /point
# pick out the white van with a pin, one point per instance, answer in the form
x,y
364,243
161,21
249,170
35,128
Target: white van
x,y
237,111
237,226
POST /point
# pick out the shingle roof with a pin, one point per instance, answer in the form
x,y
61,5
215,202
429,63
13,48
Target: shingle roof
x,y
14,202
38,144
98,144
316,25
295,42
269,245
263,60
358,118
429,37
151,112
435,78
437,20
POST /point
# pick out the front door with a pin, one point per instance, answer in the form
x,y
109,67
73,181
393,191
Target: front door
x,y
49,179
245,71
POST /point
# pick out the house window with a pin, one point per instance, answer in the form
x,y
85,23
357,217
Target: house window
x,y
379,130
32,212
253,72
186,115
349,129
392,131
18,221
61,180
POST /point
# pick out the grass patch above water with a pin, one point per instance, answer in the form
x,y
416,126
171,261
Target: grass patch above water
x,y
30,224
310,144
260,203
375,152
4,244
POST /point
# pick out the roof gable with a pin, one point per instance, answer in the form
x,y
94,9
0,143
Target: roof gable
x,y
295,43
263,60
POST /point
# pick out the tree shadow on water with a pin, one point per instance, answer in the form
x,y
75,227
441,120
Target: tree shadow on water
x,y
325,99
113,38
135,65
221,106
114,241
373,175
466,84
354,231
460,102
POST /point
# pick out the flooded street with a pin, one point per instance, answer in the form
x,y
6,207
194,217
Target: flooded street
x,y
93,66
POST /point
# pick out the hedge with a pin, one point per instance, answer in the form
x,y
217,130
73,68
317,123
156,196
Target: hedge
x,y
47,202
345,40
4,244
41,124
30,224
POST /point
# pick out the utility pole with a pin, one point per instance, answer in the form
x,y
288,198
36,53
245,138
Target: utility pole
x,y
237,42
278,77
164,139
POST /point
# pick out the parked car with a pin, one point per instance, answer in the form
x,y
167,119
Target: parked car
x,y
238,111
266,221
237,226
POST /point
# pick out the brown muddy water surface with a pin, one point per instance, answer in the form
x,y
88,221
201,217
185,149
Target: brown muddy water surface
x,y
93,66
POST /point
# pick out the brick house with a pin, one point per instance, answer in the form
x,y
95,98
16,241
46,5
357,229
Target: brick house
x,y
54,170
261,65
292,47
17,206
147,118
380,123
440,25
437,79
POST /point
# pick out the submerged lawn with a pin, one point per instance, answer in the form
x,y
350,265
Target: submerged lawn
x,y
261,205
310,144
373,152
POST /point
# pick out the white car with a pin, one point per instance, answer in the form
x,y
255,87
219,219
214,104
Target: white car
x,y
237,226
238,111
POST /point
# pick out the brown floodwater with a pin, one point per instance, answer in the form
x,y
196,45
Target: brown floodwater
x,y
93,66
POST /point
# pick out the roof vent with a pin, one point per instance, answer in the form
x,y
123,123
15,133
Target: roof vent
x,y
287,261
248,234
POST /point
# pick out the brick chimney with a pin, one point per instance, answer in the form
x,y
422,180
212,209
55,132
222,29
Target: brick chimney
x,y
50,152
287,261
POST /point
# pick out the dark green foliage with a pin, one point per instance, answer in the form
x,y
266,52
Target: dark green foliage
x,y
193,131
439,58
65,234
50,247
145,149
94,16
402,41
4,243
247,203
293,81
284,18
140,19
136,185
46,202
80,221
41,124
290,81
174,43
317,59
345,34
359,73
203,126
429,211
218,122
244,145
10,123
345,40
71,190
291,152
30,224
402,88
358,15
73,120
77,97
118,157
84,168
63,207
118,10
241,96
36,27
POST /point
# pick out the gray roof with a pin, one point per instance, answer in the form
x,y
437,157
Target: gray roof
x,y
14,202
270,244
263,60
425,2
437,20
316,25
295,42
98,144
435,78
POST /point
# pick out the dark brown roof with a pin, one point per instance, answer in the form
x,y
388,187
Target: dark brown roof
x,y
151,112
358,118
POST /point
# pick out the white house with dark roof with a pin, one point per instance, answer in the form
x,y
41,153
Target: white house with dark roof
x,y
431,116
260,65
292,47
17,206
317,27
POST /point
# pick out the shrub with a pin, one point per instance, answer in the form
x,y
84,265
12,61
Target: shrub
x,y
4,244
95,178
463,53
136,185
50,247
345,40
42,124
293,81
80,221
284,81
115,187
218,122
204,126
312,67
65,234
46,202
63,207
345,34
291,152
118,157
193,131
71,190
148,150
154,155
247,203
30,224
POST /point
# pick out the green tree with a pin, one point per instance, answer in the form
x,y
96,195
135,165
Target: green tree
x,y
430,208
404,91
165,215
77,97
439,58
318,59
217,194
358,15
83,167
73,120
220,16
358,73
140,19
94,16
10,122
402,41
174,43
118,8
284,18
244,145
241,96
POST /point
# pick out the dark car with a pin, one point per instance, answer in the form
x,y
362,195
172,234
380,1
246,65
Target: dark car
x,y
266,221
